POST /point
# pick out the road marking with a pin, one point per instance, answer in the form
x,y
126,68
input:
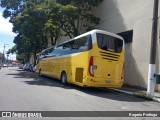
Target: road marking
x,y
79,93
124,108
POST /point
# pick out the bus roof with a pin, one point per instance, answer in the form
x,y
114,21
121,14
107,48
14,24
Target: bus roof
x,y
99,31
92,32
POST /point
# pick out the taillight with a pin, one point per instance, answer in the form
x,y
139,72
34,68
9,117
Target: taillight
x,y
122,76
90,69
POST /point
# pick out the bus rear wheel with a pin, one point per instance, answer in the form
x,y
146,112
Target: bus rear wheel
x,y
64,78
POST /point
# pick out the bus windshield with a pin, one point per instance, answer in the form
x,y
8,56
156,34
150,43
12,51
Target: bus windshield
x,y
109,43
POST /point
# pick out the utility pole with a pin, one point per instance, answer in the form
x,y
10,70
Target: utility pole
x,y
152,65
3,56
2,61
7,60
3,53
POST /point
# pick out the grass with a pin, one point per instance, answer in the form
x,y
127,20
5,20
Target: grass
x,y
144,95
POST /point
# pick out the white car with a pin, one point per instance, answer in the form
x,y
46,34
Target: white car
x,y
26,67
34,68
5,65
21,66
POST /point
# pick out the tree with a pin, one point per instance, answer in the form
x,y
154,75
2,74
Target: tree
x,y
51,28
29,25
22,57
77,15
65,19
35,21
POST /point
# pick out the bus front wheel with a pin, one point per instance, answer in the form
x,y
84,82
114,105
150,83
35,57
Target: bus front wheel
x,y
64,78
40,73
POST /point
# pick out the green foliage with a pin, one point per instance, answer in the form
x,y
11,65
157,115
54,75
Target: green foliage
x,y
64,2
35,21
67,20
78,15
13,7
12,50
23,57
143,95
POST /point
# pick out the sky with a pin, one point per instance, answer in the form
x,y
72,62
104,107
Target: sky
x,y
6,35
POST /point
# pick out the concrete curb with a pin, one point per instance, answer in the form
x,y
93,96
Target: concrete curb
x,y
136,95
122,91
156,100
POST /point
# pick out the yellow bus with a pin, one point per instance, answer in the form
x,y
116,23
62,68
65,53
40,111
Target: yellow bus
x,y
93,59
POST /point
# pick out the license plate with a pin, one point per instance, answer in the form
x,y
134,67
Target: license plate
x,y
108,81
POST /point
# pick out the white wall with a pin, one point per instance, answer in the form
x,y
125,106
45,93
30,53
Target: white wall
x,y
123,15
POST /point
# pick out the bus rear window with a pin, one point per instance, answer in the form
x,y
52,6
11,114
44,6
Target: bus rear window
x,y
109,43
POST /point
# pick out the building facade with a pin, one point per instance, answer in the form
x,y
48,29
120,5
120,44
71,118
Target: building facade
x,y
132,19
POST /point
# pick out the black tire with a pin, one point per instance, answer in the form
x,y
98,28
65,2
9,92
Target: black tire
x,y
40,73
64,78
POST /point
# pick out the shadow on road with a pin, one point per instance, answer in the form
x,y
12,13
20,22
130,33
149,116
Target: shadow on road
x,y
22,74
45,81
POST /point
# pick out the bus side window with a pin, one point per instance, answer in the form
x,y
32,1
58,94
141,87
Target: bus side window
x,y
83,43
41,56
77,45
50,51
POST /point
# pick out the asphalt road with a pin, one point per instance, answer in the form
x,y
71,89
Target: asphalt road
x,y
25,91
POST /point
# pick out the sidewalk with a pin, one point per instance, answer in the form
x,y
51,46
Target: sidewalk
x,y
137,92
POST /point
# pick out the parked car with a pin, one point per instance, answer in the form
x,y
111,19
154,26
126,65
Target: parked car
x,y
34,68
10,65
31,66
5,65
26,67
21,66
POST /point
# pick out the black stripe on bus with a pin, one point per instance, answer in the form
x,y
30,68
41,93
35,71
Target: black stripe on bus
x,y
109,59
110,54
